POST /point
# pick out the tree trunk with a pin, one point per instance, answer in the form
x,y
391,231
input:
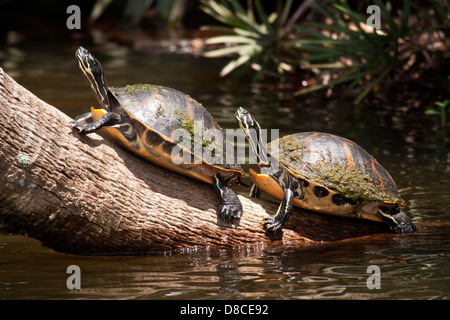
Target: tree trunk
x,y
84,195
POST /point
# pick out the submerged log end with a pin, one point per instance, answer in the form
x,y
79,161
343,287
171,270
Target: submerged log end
x,y
84,195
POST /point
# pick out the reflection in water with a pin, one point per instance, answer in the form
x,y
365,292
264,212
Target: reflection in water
x,y
409,269
412,267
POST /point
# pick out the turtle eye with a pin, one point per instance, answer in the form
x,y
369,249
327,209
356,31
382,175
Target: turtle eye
x,y
94,65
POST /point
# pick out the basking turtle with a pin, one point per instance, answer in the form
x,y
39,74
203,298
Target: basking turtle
x,y
165,127
323,173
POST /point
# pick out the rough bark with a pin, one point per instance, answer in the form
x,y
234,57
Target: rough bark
x,y
84,195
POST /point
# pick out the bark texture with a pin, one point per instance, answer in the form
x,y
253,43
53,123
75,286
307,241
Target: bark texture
x,y
85,195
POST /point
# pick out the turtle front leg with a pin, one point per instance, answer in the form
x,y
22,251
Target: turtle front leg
x,y
82,120
230,206
281,216
85,124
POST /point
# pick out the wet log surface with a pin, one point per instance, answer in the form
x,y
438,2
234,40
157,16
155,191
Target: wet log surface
x,y
85,195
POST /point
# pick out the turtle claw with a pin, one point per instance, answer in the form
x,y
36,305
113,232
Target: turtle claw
x,y
82,121
404,223
77,126
230,206
272,225
277,221
230,212
397,220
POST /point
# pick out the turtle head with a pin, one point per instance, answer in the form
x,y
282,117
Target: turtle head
x,y
252,131
93,70
246,121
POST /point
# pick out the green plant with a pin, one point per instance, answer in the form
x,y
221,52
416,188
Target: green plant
x,y
441,111
257,39
340,49
344,43
366,56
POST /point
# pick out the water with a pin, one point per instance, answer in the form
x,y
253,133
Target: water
x,y
412,267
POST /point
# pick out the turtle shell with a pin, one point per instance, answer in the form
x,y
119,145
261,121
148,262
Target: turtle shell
x,y
337,164
163,119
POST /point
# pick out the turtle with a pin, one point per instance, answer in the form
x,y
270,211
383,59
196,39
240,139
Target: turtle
x,y
165,127
324,173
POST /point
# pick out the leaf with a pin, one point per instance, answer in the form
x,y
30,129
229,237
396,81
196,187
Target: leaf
x,y
252,24
135,9
229,39
310,32
261,13
372,84
356,17
404,17
442,104
325,12
386,15
242,49
232,65
237,7
285,12
432,112
246,33
97,10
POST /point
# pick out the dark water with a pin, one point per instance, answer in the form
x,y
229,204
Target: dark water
x,y
412,267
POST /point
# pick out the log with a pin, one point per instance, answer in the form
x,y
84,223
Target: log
x,y
82,194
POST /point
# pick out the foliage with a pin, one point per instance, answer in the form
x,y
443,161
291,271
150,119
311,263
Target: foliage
x,y
259,39
441,111
367,55
345,40
341,49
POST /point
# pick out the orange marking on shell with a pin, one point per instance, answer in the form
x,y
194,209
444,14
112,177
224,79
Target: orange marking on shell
x,y
350,161
379,177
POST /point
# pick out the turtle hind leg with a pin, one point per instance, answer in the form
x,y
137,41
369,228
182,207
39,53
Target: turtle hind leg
x,y
85,124
282,215
397,220
230,206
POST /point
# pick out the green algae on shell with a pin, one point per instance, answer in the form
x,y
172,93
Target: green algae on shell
x,y
336,163
166,110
